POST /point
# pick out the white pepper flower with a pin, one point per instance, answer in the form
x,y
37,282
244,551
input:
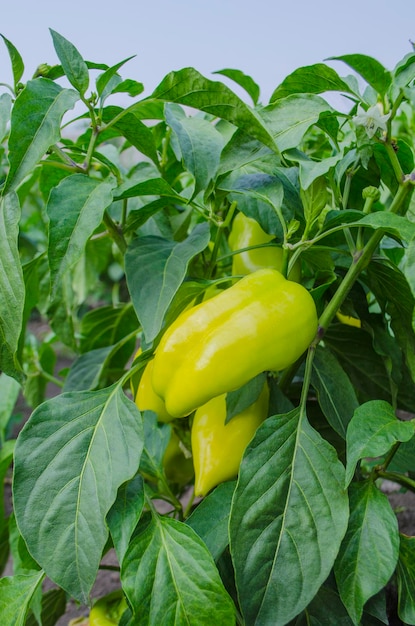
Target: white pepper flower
x,y
372,119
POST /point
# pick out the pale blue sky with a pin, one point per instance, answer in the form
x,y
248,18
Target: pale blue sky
x,y
264,38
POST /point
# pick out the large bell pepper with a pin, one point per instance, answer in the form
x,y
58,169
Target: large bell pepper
x,y
146,398
263,322
247,232
218,447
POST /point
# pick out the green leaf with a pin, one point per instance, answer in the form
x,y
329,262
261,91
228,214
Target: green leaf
x,y
369,551
106,326
17,61
370,69
170,578
289,119
317,78
72,63
239,400
9,391
103,79
373,430
125,514
150,187
156,439
244,81
53,607
71,457
200,145
404,72
325,609
314,199
16,593
190,88
5,108
133,129
12,289
405,575
35,126
75,209
335,392
395,225
289,515
155,269
392,289
210,519
87,370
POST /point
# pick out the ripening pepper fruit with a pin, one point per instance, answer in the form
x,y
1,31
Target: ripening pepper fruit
x,y
263,322
108,610
349,320
146,398
247,232
218,447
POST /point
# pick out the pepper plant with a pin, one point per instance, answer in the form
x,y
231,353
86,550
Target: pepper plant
x,y
116,220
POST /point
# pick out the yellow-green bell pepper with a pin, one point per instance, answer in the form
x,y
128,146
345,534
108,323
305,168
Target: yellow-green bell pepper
x,y
263,322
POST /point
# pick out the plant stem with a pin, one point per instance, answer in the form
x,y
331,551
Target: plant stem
x,y
115,233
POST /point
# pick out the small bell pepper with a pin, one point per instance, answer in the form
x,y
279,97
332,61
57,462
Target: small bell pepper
x,y
263,322
247,232
218,447
108,610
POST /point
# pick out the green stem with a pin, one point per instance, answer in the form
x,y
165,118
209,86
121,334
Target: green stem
x,y
115,233
400,479
51,379
394,161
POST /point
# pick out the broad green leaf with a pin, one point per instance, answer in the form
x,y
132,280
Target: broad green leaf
x,y
317,78
103,79
87,370
239,400
369,68
17,61
71,457
242,152
200,145
75,209
392,289
155,269
9,391
314,199
170,578
373,430
5,108
244,81
53,607
72,63
405,575
369,551
395,225
132,87
150,187
354,350
190,88
310,169
125,514
106,326
133,129
260,196
61,312
12,289
289,119
404,72
156,438
16,594
325,609
335,392
288,518
210,518
35,126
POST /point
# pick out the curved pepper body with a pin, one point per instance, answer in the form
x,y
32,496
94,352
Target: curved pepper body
x,y
263,322
218,447
146,398
247,232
